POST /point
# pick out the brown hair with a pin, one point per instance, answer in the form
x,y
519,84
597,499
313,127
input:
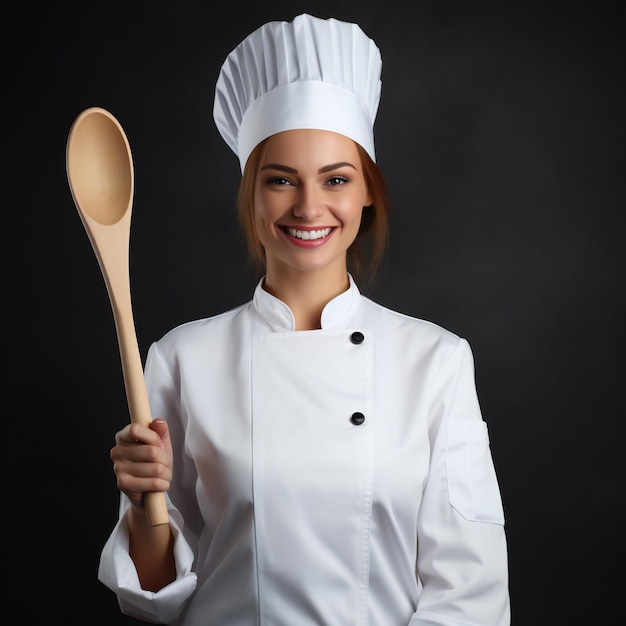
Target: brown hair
x,y
373,235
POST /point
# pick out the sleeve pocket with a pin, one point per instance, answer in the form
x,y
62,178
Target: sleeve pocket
x,y
472,484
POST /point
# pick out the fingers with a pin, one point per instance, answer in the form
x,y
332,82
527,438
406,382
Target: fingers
x,y
142,459
141,477
138,452
136,476
136,444
137,433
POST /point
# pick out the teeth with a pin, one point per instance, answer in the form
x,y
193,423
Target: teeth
x,y
309,234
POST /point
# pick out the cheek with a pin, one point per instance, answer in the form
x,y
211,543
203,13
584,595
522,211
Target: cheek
x,y
350,212
260,210
260,225
267,207
263,221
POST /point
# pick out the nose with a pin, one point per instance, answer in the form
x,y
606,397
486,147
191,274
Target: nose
x,y
308,204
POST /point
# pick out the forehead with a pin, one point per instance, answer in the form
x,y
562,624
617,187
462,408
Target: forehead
x,y
310,147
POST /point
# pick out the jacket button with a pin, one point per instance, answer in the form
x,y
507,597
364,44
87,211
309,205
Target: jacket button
x,y
357,418
357,337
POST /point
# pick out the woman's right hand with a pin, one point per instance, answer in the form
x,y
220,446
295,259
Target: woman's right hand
x,y
142,459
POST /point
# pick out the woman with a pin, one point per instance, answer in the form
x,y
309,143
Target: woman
x,y
324,458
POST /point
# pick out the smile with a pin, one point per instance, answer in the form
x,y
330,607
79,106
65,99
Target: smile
x,y
307,235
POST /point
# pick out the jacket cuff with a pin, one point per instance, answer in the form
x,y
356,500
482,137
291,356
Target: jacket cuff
x,y
117,572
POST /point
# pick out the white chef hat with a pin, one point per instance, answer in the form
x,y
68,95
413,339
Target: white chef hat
x,y
307,73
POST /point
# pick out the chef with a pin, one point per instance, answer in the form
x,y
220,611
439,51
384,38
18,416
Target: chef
x,y
324,458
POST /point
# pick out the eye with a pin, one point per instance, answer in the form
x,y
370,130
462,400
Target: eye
x,y
279,180
336,180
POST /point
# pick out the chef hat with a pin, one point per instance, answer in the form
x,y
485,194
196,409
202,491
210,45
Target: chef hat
x,y
307,73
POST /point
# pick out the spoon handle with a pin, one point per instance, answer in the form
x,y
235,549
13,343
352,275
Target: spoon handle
x,y
136,394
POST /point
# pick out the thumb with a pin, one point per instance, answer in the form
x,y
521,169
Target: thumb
x,y
160,427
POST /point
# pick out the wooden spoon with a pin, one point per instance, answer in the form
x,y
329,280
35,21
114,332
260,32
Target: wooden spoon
x,y
101,178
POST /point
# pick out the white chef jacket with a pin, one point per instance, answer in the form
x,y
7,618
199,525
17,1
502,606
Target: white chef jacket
x,y
333,477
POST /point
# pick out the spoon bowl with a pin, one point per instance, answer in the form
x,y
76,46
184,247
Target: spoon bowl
x,y
101,178
100,167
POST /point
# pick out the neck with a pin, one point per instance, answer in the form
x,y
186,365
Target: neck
x,y
306,293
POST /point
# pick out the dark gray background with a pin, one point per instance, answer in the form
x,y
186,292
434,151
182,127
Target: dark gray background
x,y
500,132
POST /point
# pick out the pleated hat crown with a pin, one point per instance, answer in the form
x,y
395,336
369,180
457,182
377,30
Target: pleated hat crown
x,y
308,73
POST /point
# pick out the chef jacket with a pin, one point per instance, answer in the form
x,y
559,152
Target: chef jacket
x,y
332,477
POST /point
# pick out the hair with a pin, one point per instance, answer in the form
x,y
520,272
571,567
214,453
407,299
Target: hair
x,y
371,240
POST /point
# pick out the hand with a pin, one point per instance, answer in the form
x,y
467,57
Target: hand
x,y
142,459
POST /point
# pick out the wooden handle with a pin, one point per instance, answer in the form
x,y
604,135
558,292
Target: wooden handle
x,y
136,393
110,244
156,508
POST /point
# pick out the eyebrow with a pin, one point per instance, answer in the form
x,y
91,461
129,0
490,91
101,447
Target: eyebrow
x,y
322,170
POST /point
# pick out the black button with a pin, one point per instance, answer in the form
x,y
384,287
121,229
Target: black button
x,y
357,418
357,337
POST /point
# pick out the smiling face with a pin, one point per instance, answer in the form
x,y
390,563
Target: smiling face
x,y
309,195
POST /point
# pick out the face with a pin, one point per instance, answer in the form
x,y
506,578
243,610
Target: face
x,y
309,196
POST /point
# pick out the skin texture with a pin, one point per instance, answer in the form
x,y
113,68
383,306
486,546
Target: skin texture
x,y
308,180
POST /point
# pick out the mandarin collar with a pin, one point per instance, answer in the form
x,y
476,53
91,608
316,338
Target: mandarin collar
x,y
276,313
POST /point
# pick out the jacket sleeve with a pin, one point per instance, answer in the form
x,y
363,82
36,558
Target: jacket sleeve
x,y
462,563
116,569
